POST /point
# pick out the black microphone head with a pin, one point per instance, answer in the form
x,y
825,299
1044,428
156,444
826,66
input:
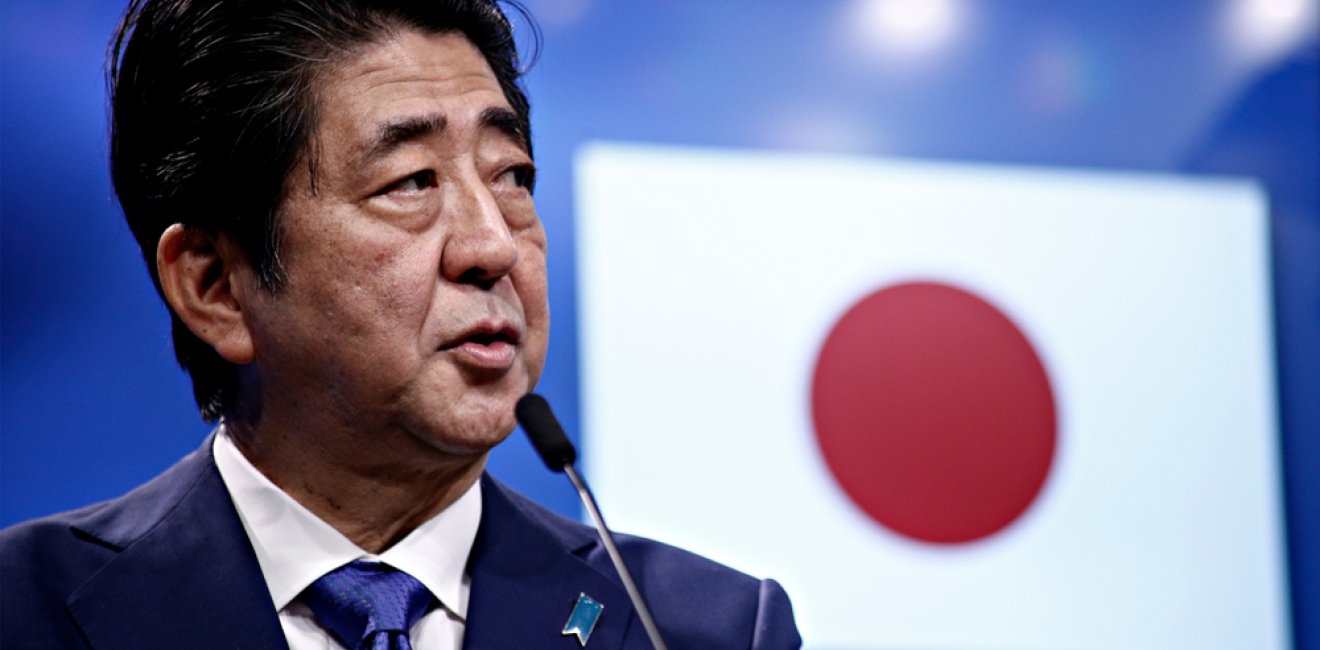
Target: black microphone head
x,y
533,413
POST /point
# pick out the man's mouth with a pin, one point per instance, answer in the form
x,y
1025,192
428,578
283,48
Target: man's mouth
x,y
491,346
488,338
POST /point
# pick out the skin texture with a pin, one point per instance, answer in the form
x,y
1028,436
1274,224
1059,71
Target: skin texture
x,y
364,392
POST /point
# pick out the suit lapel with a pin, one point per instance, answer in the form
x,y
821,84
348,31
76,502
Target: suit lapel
x,y
526,580
187,576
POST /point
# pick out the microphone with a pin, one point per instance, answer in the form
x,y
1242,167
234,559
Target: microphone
x,y
555,449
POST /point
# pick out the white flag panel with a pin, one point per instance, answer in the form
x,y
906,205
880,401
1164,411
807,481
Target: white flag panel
x,y
708,282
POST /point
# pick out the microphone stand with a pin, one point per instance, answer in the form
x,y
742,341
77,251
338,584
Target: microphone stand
x,y
608,538
558,453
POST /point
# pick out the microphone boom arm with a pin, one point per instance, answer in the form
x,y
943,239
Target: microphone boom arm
x,y
605,536
554,447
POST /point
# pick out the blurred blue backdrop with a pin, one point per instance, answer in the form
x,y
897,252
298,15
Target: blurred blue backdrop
x,y
93,403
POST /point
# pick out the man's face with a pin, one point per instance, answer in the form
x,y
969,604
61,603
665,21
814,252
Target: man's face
x,y
415,298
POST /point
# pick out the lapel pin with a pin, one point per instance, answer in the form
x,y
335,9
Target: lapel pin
x,y
582,620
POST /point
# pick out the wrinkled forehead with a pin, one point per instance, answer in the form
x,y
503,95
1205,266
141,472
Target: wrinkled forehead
x,y
406,84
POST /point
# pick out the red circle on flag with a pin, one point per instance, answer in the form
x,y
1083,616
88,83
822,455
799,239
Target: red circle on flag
x,y
934,412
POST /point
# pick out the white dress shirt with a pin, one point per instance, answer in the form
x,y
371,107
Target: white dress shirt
x,y
294,547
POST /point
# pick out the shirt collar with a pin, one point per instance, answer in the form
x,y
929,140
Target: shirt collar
x,y
295,547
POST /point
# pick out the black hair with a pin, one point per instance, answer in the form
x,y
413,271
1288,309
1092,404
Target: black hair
x,y
214,102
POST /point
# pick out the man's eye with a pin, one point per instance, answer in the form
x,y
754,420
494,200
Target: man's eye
x,y
415,183
523,176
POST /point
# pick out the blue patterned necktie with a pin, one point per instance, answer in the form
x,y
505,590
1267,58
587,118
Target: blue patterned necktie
x,y
368,605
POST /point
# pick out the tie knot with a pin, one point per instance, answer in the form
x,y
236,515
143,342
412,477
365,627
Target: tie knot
x,y
361,600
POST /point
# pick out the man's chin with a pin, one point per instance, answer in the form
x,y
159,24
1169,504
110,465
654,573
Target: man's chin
x,y
474,434
464,417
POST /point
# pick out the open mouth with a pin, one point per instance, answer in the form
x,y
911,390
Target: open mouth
x,y
490,338
485,334
490,346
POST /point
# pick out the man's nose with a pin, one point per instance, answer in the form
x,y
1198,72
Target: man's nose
x,y
480,249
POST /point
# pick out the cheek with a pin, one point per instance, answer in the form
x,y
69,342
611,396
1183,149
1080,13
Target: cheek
x,y
531,283
369,287
399,282
530,279
400,293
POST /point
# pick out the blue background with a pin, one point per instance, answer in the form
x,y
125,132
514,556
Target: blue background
x,y
93,403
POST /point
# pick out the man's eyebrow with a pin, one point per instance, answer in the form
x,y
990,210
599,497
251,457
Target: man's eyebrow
x,y
390,135
507,122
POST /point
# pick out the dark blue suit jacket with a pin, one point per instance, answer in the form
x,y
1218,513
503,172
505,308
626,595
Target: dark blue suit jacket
x,y
170,566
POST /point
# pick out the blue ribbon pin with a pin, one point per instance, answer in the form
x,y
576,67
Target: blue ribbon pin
x,y
586,611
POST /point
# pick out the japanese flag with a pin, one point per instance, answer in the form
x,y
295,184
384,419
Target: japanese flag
x,y
947,405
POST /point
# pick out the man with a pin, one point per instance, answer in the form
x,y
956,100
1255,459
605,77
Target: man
x,y
334,199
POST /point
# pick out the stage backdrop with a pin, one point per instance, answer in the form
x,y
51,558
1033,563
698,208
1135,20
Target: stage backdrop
x,y
1167,152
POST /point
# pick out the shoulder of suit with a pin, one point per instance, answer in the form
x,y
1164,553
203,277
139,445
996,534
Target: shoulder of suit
x,y
112,524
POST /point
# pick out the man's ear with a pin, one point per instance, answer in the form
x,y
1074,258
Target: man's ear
x,y
199,275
